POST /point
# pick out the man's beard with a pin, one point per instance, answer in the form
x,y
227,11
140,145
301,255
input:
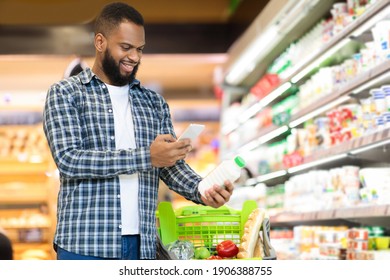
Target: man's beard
x,y
111,69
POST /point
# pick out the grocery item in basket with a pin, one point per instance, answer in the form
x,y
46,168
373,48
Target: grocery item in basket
x,y
227,249
202,253
251,244
182,249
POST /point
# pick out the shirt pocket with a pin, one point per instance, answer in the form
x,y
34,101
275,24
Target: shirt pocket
x,y
94,122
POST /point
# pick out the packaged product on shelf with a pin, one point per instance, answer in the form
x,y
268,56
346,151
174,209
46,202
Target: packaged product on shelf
x,y
382,242
379,99
360,255
265,85
376,185
264,117
386,90
244,193
339,13
282,111
381,34
357,244
275,197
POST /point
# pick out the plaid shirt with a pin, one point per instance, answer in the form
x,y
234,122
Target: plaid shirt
x,y
79,126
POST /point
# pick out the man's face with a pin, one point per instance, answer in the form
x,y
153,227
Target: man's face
x,y
113,72
123,53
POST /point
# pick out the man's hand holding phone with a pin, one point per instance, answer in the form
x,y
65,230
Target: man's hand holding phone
x,y
192,132
165,151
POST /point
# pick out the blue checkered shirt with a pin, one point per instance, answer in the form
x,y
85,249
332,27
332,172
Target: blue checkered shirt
x,y
79,126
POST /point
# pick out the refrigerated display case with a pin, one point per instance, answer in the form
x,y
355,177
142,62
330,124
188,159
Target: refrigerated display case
x,y
271,149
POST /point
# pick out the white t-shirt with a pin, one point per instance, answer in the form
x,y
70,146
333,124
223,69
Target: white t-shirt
x,y
125,139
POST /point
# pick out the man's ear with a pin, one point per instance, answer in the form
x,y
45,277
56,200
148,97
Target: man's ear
x,y
100,42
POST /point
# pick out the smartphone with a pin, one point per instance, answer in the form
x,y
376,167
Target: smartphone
x,y
192,132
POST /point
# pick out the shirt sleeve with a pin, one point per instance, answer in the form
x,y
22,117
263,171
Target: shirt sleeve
x,y
181,178
63,131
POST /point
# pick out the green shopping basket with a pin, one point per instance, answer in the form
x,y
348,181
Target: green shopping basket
x,y
205,226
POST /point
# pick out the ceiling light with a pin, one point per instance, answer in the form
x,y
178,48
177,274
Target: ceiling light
x,y
294,12
254,52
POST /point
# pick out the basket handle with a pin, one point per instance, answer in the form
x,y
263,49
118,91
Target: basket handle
x,y
247,208
269,251
167,220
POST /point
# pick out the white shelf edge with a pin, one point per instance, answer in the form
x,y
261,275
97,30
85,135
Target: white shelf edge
x,y
359,211
343,151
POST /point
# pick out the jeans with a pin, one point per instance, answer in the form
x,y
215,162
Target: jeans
x,y
130,251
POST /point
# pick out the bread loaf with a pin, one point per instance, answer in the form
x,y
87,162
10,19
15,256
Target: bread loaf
x,y
251,245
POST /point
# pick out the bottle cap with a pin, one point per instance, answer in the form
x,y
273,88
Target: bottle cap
x,y
239,161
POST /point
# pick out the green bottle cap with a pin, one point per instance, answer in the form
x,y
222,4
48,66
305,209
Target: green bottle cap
x,y
239,161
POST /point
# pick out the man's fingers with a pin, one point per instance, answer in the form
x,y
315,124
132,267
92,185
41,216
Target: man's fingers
x,y
217,196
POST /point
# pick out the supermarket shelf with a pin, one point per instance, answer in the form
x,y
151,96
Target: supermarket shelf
x,y
379,74
337,42
18,227
340,41
352,148
24,201
366,215
362,83
263,136
371,150
35,251
9,167
357,148
37,245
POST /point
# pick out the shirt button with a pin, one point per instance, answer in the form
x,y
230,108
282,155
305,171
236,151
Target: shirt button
x,y
103,86
110,110
112,137
118,196
120,226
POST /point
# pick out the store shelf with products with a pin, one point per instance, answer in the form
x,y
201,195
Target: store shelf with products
x,y
377,215
340,93
372,147
338,44
28,186
326,181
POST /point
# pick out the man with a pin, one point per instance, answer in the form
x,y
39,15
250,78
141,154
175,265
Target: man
x,y
6,250
112,139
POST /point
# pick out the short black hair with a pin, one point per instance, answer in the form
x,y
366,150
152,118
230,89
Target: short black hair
x,y
113,14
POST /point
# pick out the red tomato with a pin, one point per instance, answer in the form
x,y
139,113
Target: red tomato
x,y
227,249
214,257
